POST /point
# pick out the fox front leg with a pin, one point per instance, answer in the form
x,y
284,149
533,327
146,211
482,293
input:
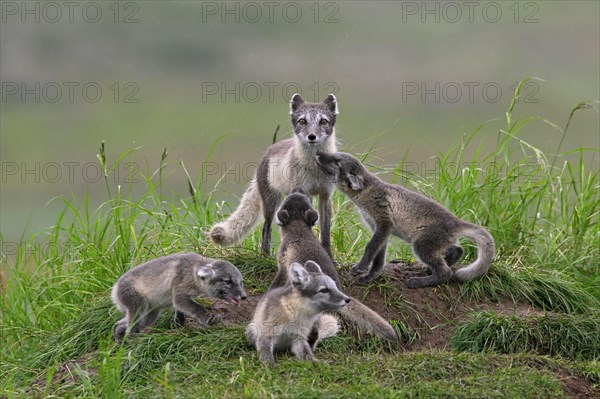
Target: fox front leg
x,y
379,239
302,350
265,347
325,222
376,267
189,307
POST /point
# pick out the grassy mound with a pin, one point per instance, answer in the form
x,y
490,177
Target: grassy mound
x,y
56,319
568,336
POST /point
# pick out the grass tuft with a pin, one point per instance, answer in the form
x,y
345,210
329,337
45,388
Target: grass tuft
x,y
568,336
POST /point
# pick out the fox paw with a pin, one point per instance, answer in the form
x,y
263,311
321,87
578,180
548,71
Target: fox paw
x,y
357,269
217,235
119,332
214,320
365,278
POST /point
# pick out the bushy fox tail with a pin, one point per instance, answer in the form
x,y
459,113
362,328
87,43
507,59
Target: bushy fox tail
x,y
367,320
327,326
486,250
242,221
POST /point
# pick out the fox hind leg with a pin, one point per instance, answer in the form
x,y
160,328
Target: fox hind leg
x,y
430,254
453,254
270,201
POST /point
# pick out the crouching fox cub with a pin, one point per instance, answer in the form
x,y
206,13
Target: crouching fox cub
x,y
431,229
291,317
173,281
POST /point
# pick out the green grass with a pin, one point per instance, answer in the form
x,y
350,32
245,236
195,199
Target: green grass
x,y
569,336
541,208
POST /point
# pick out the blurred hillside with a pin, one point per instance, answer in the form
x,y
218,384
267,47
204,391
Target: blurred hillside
x,y
409,78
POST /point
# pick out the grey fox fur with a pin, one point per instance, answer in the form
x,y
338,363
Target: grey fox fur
x,y
291,317
173,281
296,216
431,229
287,166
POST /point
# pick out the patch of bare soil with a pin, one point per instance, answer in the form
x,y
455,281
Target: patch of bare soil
x,y
232,315
431,312
578,387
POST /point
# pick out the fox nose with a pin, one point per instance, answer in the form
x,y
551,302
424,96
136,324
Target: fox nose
x,y
347,300
312,137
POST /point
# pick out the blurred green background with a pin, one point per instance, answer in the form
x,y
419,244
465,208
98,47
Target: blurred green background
x,y
410,77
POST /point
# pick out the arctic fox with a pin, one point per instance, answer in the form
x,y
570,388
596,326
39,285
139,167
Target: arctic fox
x,y
431,229
287,166
173,281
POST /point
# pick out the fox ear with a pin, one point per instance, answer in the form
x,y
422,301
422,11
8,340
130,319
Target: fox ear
x,y
312,267
282,217
295,102
356,182
329,164
331,102
205,271
324,158
298,275
311,217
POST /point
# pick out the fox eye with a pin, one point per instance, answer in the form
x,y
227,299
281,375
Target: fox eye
x,y
302,121
227,280
324,122
324,290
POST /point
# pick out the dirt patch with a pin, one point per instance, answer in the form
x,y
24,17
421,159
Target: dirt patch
x,y
431,312
232,315
577,387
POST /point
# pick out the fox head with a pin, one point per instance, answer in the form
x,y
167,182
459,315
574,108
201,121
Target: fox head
x,y
347,171
316,287
313,122
222,280
296,206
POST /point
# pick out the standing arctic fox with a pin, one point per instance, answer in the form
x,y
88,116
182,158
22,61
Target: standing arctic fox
x,y
296,216
291,317
389,209
287,166
173,281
